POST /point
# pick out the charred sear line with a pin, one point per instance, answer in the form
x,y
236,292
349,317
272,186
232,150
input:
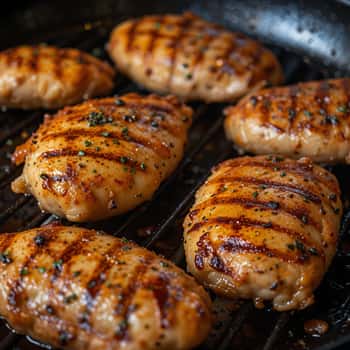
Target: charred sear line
x,y
17,291
95,283
130,35
277,207
177,42
242,222
236,244
153,36
92,154
304,170
125,308
157,147
283,187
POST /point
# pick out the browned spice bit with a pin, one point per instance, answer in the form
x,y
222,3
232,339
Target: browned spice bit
x,y
316,328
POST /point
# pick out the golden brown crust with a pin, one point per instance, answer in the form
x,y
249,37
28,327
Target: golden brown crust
x,y
50,77
308,119
264,227
103,157
80,289
190,57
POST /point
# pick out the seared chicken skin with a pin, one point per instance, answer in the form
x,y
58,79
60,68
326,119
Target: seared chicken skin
x,y
190,57
103,157
78,289
308,119
264,228
49,77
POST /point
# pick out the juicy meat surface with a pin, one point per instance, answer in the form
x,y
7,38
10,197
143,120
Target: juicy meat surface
x,y
76,289
103,157
190,57
49,77
308,119
264,228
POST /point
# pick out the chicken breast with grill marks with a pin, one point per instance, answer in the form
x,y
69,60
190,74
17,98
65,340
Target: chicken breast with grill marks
x,y
78,289
103,157
308,119
264,228
190,57
49,77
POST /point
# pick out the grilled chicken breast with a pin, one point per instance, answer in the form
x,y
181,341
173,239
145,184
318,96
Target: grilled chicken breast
x,y
49,77
190,57
103,157
80,289
264,228
308,119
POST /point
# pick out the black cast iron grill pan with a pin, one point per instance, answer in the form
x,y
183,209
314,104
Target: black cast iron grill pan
x,y
157,224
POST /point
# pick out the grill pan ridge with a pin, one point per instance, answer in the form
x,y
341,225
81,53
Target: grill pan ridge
x,y
157,224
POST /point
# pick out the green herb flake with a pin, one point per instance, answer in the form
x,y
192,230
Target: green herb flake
x,y
255,194
57,264
143,166
342,109
119,102
98,118
76,273
123,160
307,113
87,143
163,264
105,133
283,174
81,153
42,269
24,271
70,298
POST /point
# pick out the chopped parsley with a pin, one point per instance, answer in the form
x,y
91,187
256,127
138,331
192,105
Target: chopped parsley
x,y
24,271
98,118
123,160
58,264
119,102
87,143
81,153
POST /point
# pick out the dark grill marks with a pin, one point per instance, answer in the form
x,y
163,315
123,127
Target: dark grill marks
x,y
292,112
263,205
124,307
184,25
131,35
304,170
160,289
225,58
242,222
76,247
238,245
17,292
154,145
98,278
154,35
64,152
283,187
